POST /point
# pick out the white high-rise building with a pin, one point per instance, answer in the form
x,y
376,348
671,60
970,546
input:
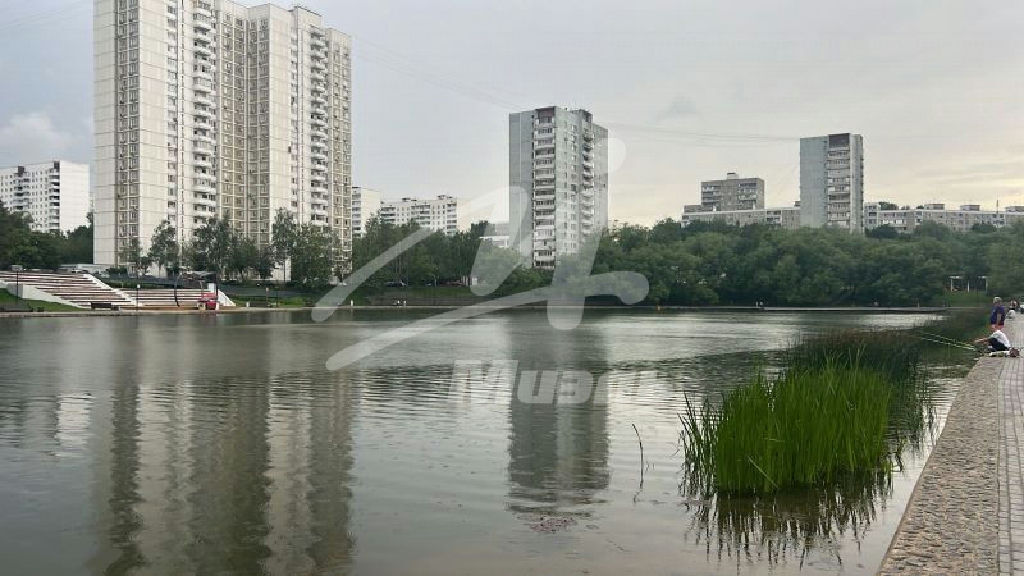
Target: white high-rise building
x,y
558,182
440,214
211,109
832,181
54,194
365,206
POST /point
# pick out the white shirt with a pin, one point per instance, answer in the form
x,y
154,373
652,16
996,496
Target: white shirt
x,y
998,335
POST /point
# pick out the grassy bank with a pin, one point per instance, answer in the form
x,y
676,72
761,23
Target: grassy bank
x,y
10,302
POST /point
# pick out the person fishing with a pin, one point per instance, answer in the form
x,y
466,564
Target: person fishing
x,y
997,319
996,342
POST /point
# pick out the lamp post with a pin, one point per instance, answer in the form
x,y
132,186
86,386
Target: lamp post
x,y
137,286
266,293
17,280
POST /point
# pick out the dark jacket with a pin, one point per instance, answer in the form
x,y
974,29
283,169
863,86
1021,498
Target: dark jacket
x,y
998,316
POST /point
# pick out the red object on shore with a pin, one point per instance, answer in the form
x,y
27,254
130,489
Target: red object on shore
x,y
208,301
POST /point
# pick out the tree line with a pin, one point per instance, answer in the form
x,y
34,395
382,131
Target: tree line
x,y
19,244
719,264
700,264
310,253
714,263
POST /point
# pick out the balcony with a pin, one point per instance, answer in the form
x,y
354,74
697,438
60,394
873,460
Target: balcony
x,y
543,258
538,197
203,75
202,24
317,65
318,156
204,200
318,122
202,50
544,145
204,187
202,161
202,146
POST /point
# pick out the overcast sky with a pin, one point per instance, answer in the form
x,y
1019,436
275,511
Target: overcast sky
x,y
691,89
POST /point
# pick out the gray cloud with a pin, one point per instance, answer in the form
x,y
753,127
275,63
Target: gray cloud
x,y
680,107
30,138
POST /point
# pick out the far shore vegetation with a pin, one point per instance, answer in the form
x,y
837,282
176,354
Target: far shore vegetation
x,y
699,265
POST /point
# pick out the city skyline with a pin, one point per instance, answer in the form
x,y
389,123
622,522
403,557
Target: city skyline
x,y
939,118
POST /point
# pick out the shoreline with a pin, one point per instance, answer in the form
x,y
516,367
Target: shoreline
x,y
261,310
962,517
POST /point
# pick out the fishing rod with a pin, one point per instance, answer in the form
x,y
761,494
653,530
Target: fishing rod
x,y
944,338
959,345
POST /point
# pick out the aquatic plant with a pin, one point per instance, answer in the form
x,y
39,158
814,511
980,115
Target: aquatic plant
x,y
894,353
806,427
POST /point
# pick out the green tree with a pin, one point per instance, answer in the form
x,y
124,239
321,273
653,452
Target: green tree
x,y
211,246
312,255
163,247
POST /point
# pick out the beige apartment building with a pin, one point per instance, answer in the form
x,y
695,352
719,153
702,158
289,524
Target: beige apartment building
x,y
211,109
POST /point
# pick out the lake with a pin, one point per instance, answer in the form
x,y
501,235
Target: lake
x,y
222,444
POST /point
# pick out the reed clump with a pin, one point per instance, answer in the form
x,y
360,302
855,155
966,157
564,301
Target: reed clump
x,y
806,427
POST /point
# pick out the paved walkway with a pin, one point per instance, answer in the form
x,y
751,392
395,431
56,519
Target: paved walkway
x,y
966,515
1011,458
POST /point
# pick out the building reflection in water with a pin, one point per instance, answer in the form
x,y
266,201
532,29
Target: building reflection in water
x,y
236,474
558,451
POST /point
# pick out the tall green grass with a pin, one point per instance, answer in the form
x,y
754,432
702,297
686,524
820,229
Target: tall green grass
x,y
804,428
894,353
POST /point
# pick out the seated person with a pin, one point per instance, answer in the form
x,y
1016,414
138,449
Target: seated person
x,y
996,342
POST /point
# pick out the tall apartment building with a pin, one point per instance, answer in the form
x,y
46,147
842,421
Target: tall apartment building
x,y
365,206
54,194
832,181
211,109
558,182
440,214
732,193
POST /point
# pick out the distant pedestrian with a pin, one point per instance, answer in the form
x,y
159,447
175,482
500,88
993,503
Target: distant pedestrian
x,y
997,319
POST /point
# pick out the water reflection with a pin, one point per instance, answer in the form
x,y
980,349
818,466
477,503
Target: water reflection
x,y
787,527
190,445
558,451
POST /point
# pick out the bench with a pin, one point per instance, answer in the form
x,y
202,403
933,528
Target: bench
x,y
103,306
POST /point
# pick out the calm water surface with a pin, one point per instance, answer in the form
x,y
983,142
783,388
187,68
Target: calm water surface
x,y
222,445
